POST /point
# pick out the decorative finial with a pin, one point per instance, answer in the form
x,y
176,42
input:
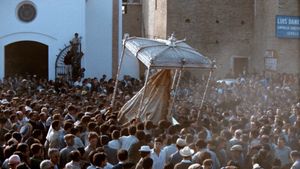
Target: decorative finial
x,y
171,40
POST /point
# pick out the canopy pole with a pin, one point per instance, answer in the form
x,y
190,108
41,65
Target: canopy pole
x,y
175,91
204,94
174,79
118,72
143,95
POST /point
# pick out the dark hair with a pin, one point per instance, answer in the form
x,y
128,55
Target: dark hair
x,y
115,134
36,133
17,136
140,135
99,158
140,126
201,143
36,148
149,125
132,130
104,139
124,132
75,155
122,155
22,147
74,131
147,163
55,124
144,153
68,125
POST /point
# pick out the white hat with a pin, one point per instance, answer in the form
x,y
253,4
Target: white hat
x,y
14,159
4,101
27,108
145,149
195,166
186,151
236,148
181,142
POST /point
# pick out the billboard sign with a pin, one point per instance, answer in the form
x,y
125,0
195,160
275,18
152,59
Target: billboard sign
x,y
287,26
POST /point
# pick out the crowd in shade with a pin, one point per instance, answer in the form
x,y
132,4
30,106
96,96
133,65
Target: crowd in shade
x,y
252,122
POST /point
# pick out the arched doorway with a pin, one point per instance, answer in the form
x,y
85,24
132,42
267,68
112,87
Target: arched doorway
x,y
26,57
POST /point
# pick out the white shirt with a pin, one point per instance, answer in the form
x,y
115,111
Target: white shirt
x,y
115,144
158,160
170,149
127,141
78,142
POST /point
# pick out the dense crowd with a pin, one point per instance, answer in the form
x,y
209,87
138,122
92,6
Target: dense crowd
x,y
253,122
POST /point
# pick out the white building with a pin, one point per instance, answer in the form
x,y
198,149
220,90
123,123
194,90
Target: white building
x,y
34,32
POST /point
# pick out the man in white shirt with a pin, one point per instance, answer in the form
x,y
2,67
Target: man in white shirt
x,y
158,155
127,141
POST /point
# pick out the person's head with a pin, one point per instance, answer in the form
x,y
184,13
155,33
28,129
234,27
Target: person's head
x,y
104,139
93,138
220,142
17,136
132,130
46,164
186,152
36,149
122,155
207,164
200,144
55,125
24,149
147,163
281,142
195,166
158,143
69,139
14,161
236,150
140,135
238,133
34,116
115,134
37,133
99,159
53,154
43,116
145,151
68,126
75,155
180,143
72,109
295,155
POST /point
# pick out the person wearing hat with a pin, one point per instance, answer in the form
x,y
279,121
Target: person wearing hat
x,y
186,154
14,161
237,155
144,153
176,157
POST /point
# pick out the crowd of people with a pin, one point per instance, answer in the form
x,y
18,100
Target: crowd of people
x,y
253,122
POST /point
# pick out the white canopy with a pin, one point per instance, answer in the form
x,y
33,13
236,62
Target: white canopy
x,y
169,54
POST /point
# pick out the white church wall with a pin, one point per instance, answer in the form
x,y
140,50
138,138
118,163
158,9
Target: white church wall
x,y
54,25
98,54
